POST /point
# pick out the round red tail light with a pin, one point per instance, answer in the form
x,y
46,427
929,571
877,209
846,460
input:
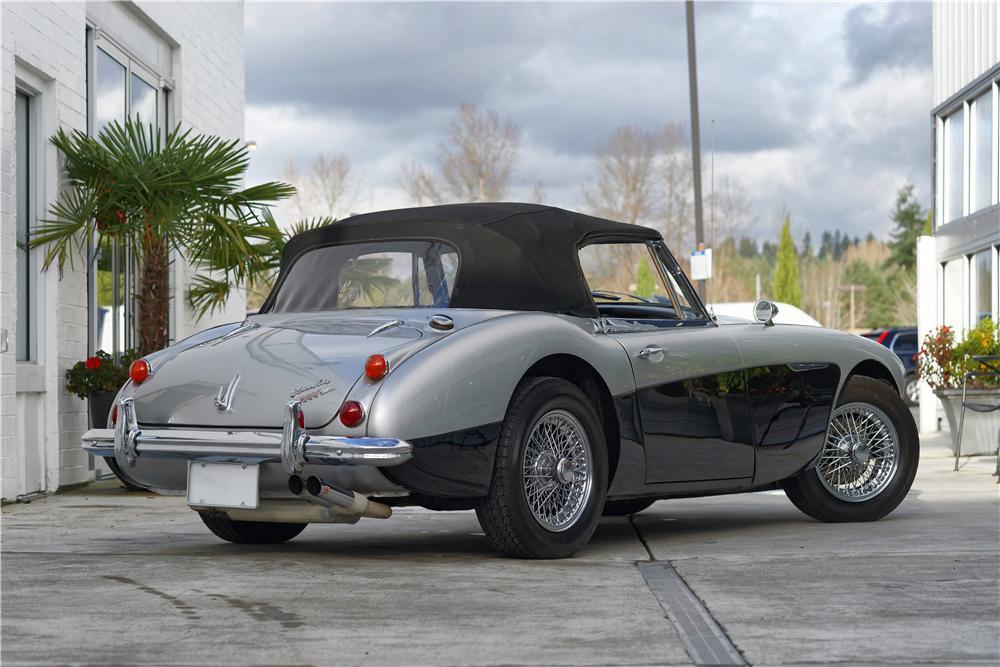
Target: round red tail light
x,y
114,414
139,371
376,367
301,419
351,413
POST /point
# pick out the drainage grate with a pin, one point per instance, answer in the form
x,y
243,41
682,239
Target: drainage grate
x,y
703,639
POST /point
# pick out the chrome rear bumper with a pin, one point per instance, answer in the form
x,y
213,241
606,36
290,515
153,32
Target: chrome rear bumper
x,y
293,447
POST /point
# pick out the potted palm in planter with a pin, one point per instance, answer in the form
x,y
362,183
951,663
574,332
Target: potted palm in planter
x,y
150,194
945,363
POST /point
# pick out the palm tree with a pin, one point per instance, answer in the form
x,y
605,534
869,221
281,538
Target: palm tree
x,y
207,293
151,193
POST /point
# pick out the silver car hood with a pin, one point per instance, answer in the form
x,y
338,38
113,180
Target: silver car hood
x,y
315,358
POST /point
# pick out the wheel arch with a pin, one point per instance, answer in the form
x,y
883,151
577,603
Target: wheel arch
x,y
580,373
875,370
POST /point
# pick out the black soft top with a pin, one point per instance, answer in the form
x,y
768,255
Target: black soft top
x,y
512,256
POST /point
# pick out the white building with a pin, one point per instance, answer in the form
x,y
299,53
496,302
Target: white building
x,y
79,66
958,267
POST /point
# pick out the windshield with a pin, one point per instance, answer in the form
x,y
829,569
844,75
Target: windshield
x,y
383,274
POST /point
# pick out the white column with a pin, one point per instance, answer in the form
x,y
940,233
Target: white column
x,y
927,320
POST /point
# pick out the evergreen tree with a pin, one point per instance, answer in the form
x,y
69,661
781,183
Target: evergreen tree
x,y
748,248
826,245
838,246
786,272
644,285
910,221
807,246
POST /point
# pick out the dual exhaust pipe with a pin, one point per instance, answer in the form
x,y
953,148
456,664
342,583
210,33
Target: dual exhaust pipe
x,y
337,498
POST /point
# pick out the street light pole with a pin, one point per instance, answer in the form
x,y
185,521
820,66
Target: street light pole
x,y
699,228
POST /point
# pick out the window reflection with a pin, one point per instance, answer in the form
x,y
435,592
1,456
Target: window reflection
x,y
109,91
143,101
982,164
982,271
952,294
954,157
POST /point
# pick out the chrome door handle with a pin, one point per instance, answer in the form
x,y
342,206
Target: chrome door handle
x,y
651,353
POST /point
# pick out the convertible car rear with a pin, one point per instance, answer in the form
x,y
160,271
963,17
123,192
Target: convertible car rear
x,y
537,365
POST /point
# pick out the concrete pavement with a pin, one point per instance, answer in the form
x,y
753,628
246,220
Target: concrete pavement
x,y
99,576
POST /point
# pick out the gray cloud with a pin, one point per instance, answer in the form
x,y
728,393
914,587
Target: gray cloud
x,y
893,35
812,104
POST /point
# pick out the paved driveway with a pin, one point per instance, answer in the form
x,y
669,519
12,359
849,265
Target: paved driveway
x,y
99,576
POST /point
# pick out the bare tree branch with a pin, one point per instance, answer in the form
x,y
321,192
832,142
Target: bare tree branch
x,y
326,188
474,162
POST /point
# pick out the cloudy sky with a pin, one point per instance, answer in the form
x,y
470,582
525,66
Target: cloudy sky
x,y
820,109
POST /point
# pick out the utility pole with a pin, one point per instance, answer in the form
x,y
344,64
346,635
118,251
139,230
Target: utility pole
x,y
852,288
699,228
711,191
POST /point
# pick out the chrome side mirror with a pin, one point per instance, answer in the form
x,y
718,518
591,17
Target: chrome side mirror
x,y
764,311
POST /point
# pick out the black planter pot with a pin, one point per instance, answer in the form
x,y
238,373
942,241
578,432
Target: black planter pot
x,y
100,403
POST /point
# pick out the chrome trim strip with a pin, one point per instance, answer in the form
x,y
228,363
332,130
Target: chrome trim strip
x,y
292,447
391,324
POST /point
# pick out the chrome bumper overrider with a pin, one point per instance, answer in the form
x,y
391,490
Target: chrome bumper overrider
x,y
293,447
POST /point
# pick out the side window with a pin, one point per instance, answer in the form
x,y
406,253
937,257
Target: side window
x,y
626,280
905,343
436,277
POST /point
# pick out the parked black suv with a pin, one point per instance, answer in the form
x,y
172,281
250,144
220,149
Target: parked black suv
x,y
905,343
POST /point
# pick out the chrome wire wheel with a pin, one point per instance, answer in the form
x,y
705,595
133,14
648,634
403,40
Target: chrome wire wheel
x,y
557,470
861,454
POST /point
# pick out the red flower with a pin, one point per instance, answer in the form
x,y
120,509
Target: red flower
x,y
93,363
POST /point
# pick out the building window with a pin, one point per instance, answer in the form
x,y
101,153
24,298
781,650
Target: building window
x,y
143,105
953,294
982,151
25,332
121,88
109,91
982,285
954,165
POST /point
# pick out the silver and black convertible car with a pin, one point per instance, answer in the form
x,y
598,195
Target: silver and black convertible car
x,y
537,365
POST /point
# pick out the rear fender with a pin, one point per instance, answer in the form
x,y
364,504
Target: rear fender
x,y
466,380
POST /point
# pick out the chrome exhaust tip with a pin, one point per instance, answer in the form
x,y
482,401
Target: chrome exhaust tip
x,y
337,498
329,493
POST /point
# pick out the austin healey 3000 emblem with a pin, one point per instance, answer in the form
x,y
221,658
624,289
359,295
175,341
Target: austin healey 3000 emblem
x,y
309,392
224,401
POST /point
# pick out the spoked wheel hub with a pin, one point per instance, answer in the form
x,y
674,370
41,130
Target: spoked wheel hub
x,y
557,470
861,454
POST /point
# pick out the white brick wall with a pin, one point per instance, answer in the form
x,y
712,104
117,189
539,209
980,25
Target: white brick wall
x,y
46,43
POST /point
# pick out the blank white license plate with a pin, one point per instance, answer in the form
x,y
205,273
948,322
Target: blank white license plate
x,y
214,484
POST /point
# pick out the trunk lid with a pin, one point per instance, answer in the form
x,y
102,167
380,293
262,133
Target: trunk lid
x,y
314,358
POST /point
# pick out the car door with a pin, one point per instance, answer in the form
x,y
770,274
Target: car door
x,y
691,391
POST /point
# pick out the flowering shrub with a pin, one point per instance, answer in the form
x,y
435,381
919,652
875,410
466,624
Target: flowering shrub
x,y
943,363
98,373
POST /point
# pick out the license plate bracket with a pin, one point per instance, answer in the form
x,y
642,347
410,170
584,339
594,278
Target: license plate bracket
x,y
223,484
